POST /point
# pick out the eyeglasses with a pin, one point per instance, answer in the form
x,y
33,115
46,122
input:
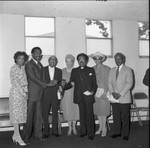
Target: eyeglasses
x,y
97,59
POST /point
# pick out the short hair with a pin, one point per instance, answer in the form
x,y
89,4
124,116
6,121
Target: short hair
x,y
121,55
36,48
53,56
70,56
19,53
83,55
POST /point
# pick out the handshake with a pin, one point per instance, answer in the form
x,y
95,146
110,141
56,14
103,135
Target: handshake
x,y
62,83
59,82
52,83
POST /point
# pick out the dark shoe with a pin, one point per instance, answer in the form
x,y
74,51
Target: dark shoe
x,y
56,135
42,138
83,135
45,136
115,135
91,137
125,138
26,140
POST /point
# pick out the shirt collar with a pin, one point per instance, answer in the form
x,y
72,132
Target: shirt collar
x,y
119,67
35,60
52,68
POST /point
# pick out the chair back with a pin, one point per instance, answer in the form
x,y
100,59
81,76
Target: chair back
x,y
140,99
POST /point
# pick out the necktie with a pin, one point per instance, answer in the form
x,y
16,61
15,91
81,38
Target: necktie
x,y
38,63
117,72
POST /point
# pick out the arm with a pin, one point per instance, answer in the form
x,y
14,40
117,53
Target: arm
x,y
31,75
129,83
16,80
110,86
146,78
72,77
94,82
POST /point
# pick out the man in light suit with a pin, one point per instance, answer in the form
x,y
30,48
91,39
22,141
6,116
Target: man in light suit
x,y
84,80
53,75
36,84
120,82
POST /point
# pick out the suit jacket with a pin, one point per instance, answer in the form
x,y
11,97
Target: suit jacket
x,y
87,82
52,91
146,78
36,81
123,83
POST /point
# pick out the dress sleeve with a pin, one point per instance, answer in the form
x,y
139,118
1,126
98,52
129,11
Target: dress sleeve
x,y
16,79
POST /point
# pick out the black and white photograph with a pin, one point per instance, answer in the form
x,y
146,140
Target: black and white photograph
x,y
74,74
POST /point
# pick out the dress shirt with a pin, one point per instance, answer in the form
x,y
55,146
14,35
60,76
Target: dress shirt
x,y
35,61
119,67
51,72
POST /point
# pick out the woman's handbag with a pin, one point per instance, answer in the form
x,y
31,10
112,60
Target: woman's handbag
x,y
99,92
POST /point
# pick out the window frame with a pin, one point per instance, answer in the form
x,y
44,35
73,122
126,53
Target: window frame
x,y
40,36
111,39
141,56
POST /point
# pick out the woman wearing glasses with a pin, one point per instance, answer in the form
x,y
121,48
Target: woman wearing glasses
x,y
101,105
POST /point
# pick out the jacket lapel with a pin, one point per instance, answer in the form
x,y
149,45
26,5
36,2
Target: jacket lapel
x,y
121,73
47,75
55,73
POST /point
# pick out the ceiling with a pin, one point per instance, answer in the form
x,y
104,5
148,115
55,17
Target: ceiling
x,y
110,9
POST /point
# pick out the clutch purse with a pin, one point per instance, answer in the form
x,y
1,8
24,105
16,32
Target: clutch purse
x,y
111,98
59,95
99,92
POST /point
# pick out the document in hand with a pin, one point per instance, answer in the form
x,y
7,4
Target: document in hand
x,y
111,98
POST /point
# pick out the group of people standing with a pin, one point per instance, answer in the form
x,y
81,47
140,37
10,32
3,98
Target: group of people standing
x,y
35,90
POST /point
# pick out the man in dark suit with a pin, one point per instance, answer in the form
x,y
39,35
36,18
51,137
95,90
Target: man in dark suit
x,y
36,84
50,99
84,80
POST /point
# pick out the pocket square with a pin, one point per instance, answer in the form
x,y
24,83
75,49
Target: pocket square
x,y
90,74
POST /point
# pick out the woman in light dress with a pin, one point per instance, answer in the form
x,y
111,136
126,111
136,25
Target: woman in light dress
x,y
70,110
101,105
18,95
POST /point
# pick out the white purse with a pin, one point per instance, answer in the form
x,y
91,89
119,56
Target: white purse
x,y
99,92
59,95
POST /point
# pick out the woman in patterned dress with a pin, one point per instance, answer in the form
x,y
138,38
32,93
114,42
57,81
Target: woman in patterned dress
x,y
18,95
70,110
101,105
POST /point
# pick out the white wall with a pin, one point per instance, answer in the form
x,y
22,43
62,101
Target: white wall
x,y
11,40
70,38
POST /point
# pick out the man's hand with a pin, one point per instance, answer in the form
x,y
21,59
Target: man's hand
x,y
63,82
88,93
116,95
52,83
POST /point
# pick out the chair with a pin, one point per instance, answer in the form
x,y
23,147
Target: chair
x,y
138,99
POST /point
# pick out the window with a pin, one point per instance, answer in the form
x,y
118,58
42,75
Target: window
x,y
39,32
143,39
98,36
